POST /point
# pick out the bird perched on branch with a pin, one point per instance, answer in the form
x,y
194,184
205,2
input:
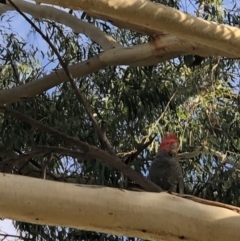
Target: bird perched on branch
x,y
165,170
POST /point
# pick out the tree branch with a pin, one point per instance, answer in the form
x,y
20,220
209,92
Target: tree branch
x,y
140,147
80,97
64,151
90,151
9,163
114,211
77,25
160,50
155,18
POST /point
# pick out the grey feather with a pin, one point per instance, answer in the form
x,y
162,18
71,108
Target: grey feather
x,y
166,172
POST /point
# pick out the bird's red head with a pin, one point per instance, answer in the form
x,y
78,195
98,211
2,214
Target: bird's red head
x,y
169,143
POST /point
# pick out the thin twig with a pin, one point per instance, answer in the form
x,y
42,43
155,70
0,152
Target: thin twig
x,y
63,151
166,107
200,7
45,165
141,146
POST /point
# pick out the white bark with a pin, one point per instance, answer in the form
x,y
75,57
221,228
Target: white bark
x,y
150,17
210,39
161,50
57,15
156,216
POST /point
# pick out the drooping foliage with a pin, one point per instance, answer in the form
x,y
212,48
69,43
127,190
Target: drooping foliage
x,y
197,98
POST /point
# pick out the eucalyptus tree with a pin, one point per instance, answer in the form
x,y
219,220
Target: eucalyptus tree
x,y
194,96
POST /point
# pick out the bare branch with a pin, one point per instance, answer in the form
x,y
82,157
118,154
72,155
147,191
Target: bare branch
x,y
100,132
206,150
140,55
90,151
9,163
189,155
64,151
155,18
140,147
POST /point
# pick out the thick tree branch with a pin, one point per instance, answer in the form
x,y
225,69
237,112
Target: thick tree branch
x,y
57,15
150,17
175,17
161,49
112,210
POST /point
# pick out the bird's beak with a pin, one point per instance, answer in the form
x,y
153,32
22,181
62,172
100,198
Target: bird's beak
x,y
174,148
